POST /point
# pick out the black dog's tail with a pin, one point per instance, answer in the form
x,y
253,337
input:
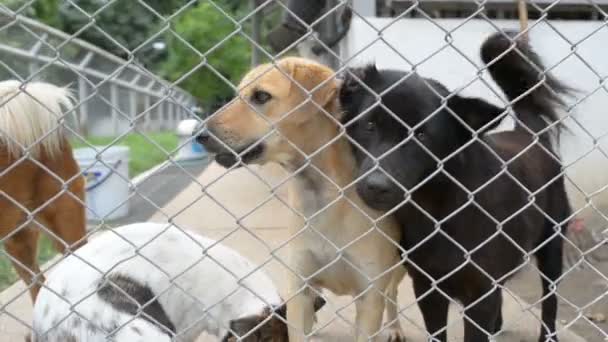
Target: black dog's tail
x,y
518,70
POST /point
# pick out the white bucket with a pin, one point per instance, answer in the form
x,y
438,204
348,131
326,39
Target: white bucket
x,y
107,185
190,149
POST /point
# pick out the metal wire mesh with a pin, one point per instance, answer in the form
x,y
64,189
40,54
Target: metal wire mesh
x,y
247,206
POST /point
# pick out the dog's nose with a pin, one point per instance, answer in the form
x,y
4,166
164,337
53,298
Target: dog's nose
x,y
203,137
379,192
377,184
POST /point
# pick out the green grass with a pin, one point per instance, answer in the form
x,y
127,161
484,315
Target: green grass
x,y
46,252
143,155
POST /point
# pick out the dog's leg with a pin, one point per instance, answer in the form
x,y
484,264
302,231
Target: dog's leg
x,y
301,302
434,307
550,266
392,306
300,310
22,246
370,308
499,322
481,315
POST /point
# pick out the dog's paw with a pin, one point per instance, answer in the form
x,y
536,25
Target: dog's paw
x,y
396,335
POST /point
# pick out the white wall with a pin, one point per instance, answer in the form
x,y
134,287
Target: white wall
x,y
406,43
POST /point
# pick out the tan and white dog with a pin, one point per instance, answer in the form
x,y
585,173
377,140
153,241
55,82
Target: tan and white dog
x,y
288,113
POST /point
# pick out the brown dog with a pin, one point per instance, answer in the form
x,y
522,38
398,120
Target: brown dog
x,y
289,114
40,183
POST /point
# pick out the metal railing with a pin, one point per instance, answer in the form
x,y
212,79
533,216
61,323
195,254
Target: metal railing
x,y
113,94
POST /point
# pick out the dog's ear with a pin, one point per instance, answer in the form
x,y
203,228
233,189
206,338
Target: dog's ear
x,y
281,310
479,114
353,80
319,303
319,79
241,327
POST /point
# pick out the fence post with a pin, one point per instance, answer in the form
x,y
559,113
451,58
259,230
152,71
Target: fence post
x,y
329,28
114,110
33,66
256,33
522,9
161,116
132,107
84,113
171,114
148,112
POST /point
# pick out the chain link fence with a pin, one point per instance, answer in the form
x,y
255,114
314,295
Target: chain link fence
x,y
315,203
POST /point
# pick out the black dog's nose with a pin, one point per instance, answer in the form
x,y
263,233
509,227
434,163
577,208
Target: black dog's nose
x,y
379,192
377,184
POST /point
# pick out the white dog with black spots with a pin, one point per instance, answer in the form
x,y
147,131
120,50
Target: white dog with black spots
x,y
157,282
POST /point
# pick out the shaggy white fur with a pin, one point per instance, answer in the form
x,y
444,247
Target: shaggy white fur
x,y
31,116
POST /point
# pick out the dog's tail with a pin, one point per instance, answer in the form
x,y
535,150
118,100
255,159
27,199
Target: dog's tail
x,y
31,116
518,70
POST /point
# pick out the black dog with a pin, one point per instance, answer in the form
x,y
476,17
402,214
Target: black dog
x,y
473,207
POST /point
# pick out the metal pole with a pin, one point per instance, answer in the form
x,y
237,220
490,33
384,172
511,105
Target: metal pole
x,y
133,106
148,114
114,105
84,114
256,34
330,29
522,10
32,68
171,113
161,115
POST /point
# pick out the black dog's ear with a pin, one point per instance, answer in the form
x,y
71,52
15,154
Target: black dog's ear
x,y
353,78
479,114
281,310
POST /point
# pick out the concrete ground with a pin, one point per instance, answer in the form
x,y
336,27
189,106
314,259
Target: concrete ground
x,y
157,187
243,196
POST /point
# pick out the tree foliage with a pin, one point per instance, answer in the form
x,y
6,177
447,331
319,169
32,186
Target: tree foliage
x,y
120,25
204,27
45,11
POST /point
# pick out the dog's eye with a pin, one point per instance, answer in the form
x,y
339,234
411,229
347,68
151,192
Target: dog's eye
x,y
370,125
260,97
420,136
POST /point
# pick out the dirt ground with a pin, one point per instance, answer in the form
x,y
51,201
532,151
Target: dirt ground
x,y
583,304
